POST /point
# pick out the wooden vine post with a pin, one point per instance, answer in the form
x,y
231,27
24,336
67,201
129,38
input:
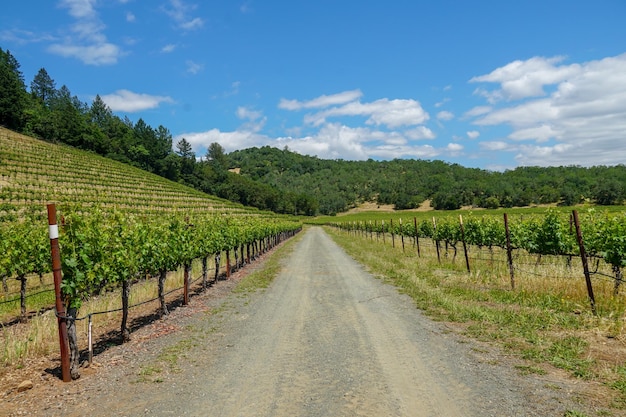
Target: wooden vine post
x,y
186,269
583,257
436,240
393,238
509,250
467,264
401,235
417,238
227,263
60,309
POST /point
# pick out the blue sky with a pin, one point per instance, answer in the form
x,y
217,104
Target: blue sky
x,y
488,84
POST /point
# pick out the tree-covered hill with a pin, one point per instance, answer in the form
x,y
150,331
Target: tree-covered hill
x,y
337,185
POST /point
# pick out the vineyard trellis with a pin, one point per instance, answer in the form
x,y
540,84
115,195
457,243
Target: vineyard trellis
x,y
103,250
602,237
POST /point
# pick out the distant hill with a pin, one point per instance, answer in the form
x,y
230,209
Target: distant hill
x,y
338,185
34,173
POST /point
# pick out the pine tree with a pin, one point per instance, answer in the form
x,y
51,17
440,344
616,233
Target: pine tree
x,y
13,96
43,87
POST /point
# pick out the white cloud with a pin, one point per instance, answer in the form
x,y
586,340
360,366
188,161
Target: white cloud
x,y
331,141
478,111
473,134
238,139
454,149
128,101
582,121
496,145
521,79
192,24
392,113
445,115
249,114
100,54
180,12
419,132
130,17
80,9
321,101
89,44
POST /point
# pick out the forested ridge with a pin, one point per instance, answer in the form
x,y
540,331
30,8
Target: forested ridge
x,y
280,180
337,185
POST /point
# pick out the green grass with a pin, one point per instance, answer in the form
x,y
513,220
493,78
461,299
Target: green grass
x,y
408,215
263,277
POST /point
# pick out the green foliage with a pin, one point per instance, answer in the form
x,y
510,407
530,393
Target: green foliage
x,y
102,250
13,97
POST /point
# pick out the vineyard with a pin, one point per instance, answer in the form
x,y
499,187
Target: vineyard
x,y
597,239
117,227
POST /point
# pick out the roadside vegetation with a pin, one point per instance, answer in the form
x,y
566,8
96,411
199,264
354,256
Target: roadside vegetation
x,y
546,320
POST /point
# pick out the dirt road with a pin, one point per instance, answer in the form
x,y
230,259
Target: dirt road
x,y
326,339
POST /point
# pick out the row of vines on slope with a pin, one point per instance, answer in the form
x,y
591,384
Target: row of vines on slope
x,y
104,250
551,234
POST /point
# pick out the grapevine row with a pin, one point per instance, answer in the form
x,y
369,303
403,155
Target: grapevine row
x,y
104,249
551,234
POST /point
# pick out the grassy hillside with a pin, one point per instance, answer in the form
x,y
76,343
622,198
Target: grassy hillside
x,y
34,173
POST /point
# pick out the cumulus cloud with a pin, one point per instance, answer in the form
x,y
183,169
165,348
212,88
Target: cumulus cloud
x,y
331,141
454,149
445,115
419,132
89,44
321,101
521,79
392,113
101,54
130,102
581,121
473,134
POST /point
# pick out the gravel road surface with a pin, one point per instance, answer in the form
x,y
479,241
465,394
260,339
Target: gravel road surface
x,y
326,339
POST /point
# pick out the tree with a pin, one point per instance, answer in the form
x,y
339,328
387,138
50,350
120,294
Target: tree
x,y
13,96
446,200
100,114
216,155
43,87
188,157
66,119
608,193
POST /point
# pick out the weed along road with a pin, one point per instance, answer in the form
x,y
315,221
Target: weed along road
x,y
326,339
